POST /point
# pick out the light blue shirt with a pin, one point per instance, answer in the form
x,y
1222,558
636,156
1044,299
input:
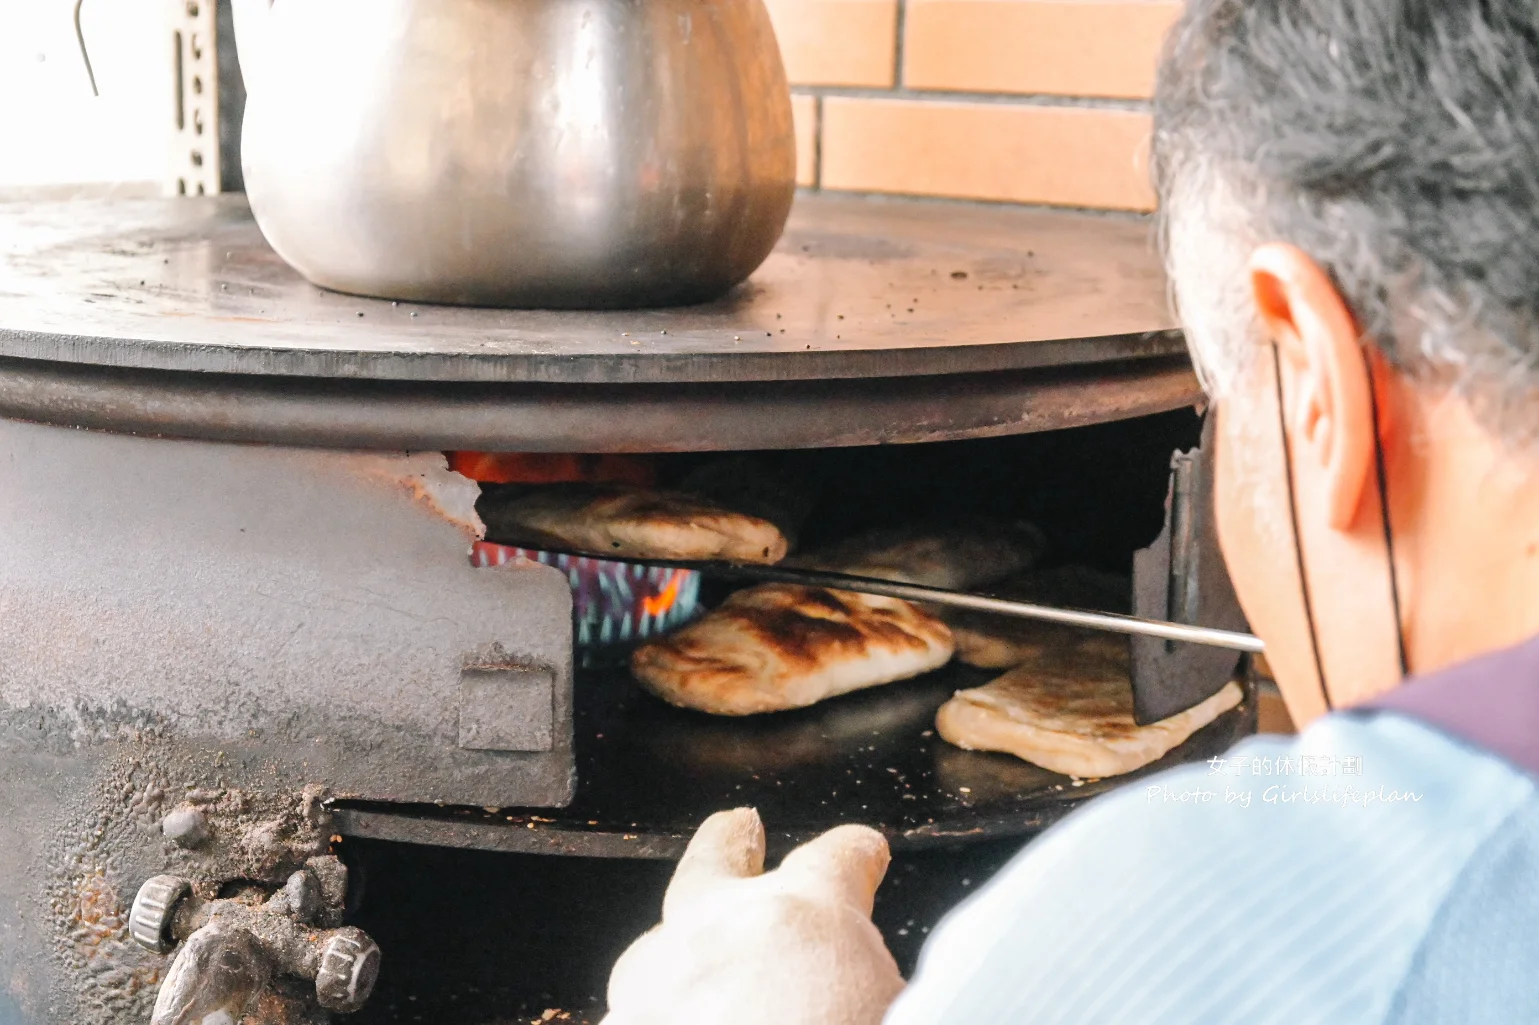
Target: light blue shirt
x,y
1401,887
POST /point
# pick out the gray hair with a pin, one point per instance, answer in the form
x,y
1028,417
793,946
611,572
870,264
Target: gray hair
x,y
1396,142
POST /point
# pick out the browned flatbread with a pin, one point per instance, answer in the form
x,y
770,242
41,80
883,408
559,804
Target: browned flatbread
x,y
781,646
956,557
625,522
1070,709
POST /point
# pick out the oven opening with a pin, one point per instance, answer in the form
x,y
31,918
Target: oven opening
x,y
1096,493
652,764
649,772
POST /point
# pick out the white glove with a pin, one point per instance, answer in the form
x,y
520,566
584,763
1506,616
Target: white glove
x,y
741,946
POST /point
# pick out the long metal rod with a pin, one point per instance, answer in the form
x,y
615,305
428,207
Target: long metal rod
x,y
1109,621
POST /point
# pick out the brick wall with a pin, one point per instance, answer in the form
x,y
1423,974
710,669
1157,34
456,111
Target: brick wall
x,y
1029,101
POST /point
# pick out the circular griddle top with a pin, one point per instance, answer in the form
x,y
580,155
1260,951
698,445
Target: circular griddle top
x,y
856,288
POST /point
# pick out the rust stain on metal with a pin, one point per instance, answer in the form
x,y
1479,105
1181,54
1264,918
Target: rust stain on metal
x,y
98,917
118,972
427,479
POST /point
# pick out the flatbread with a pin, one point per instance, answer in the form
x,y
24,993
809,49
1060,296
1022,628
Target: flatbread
x,y
625,522
781,646
1071,711
989,641
956,556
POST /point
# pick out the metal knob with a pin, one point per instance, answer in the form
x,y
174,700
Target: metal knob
x,y
149,922
231,950
348,971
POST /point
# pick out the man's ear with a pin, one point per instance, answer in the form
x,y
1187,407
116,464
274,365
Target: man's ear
x,y
1329,416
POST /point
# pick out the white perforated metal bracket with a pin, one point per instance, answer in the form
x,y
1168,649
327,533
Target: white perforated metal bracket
x,y
192,168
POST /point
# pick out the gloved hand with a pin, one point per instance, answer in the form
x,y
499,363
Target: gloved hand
x,y
741,946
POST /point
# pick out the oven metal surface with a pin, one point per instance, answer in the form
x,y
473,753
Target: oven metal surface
x,y
203,642
291,615
856,288
697,417
875,322
649,773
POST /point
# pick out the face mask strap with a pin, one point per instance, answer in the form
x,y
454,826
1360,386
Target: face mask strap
x,y
1389,534
1298,542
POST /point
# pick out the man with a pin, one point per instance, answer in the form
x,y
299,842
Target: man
x,y
1350,202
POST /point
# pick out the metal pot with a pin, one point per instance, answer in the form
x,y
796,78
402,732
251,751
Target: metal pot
x,y
549,153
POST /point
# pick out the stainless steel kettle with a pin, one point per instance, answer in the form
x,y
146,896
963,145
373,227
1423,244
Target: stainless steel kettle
x,y
547,153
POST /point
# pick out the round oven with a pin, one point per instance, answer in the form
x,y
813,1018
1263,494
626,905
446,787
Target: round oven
x,y
263,668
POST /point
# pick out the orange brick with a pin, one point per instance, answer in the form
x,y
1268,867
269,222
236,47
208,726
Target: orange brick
x,y
1069,156
837,42
804,112
1060,47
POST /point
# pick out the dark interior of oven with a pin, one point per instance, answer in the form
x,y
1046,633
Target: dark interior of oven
x,y
1096,491
474,937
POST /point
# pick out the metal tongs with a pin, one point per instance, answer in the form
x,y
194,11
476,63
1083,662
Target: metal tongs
x,y
1109,621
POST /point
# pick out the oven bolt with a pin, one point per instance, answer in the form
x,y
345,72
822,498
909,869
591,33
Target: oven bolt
x,y
300,898
149,922
349,968
230,950
185,827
